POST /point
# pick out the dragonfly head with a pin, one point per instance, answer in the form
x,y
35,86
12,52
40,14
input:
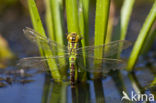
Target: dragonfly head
x,y
73,37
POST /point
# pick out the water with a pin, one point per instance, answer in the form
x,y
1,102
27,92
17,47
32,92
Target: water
x,y
23,93
108,90
43,90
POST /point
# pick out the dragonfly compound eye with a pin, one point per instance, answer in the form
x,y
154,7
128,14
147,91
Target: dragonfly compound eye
x,y
73,37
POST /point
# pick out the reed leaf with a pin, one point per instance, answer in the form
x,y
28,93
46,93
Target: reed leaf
x,y
150,39
57,14
49,22
35,18
46,89
37,24
125,16
57,19
84,29
121,28
55,93
83,20
110,23
144,33
72,16
101,21
72,20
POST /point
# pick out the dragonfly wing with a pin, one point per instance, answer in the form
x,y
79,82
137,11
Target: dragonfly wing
x,y
103,65
40,63
42,41
109,49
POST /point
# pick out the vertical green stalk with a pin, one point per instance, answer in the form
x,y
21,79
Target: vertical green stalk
x,y
110,23
75,94
46,89
83,21
64,93
57,19
150,39
72,18
126,11
100,98
101,21
142,37
37,24
83,25
86,19
55,96
57,13
49,22
83,93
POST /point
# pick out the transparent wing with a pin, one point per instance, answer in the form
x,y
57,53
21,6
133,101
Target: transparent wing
x,y
38,38
40,63
109,49
103,65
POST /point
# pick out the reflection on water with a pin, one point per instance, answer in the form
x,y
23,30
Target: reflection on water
x,y
106,90
39,88
64,93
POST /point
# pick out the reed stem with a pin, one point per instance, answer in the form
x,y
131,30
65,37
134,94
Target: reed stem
x,y
144,33
37,24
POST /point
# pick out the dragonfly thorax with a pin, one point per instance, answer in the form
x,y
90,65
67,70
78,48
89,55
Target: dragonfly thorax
x,y
72,48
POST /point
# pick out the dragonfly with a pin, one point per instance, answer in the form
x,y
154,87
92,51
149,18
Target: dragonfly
x,y
73,54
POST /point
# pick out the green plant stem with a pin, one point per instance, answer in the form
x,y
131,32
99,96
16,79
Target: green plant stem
x,y
57,19
49,22
72,19
81,22
37,24
126,12
35,18
57,13
55,95
101,21
125,18
83,25
83,19
142,37
150,39
72,16
110,23
46,89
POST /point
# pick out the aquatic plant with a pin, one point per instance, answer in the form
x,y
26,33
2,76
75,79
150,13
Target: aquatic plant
x,y
77,13
142,37
37,24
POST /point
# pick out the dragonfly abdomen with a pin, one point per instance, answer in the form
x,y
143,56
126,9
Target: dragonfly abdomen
x,y
72,61
72,73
